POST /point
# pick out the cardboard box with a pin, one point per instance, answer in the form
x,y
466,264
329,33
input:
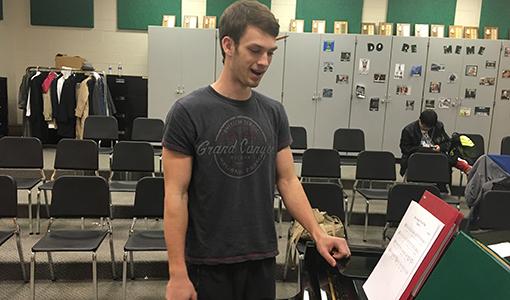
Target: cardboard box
x,y
62,60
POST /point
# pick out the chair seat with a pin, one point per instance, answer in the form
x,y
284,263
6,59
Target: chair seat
x,y
70,240
122,186
146,240
5,235
27,183
373,194
47,186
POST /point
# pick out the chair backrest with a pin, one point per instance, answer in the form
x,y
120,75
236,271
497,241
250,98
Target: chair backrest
x,y
505,145
74,154
494,209
133,157
149,130
401,195
9,198
80,196
429,168
326,197
479,145
101,128
323,163
149,198
349,140
376,165
299,141
21,153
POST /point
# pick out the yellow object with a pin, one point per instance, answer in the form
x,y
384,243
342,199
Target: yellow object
x,y
466,141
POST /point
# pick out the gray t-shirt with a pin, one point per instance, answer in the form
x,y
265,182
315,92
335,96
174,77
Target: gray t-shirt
x,y
230,195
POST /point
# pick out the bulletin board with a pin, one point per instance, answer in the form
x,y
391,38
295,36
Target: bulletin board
x,y
138,15
495,13
67,13
422,12
216,7
331,11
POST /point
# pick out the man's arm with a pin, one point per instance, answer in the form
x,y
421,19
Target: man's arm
x,y
407,144
177,170
331,248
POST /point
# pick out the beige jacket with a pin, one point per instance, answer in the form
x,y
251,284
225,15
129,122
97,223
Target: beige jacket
x,y
82,106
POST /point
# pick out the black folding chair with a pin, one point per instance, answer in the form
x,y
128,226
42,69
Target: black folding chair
x,y
71,155
76,197
130,157
149,203
9,209
373,166
432,168
505,145
149,130
349,140
322,165
299,142
399,199
23,153
102,129
493,210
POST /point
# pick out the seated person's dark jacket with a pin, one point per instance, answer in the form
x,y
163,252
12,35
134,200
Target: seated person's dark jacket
x,y
410,141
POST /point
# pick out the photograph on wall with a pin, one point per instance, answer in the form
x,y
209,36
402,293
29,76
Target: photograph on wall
x,y
345,56
490,64
416,71
452,78
435,87
505,95
465,112
409,104
437,67
360,91
507,51
430,103
327,66
399,71
364,66
379,78
506,74
470,94
403,90
327,93
471,70
342,78
487,81
482,111
445,103
328,46
374,104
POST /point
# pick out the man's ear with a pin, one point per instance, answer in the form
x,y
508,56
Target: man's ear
x,y
227,43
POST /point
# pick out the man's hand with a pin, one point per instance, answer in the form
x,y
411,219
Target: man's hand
x,y
180,289
436,148
332,248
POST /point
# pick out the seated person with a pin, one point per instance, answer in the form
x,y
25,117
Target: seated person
x,y
427,134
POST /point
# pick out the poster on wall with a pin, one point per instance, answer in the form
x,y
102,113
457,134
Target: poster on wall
x,y
328,46
403,90
452,78
487,81
505,95
484,111
379,78
327,67
445,103
470,94
506,74
465,112
507,51
345,56
472,70
490,64
374,104
364,66
437,67
399,71
327,93
409,104
360,91
416,71
435,87
342,78
430,103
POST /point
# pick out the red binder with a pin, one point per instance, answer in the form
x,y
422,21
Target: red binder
x,y
451,218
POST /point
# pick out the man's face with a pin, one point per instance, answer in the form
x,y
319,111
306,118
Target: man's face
x,y
423,127
251,57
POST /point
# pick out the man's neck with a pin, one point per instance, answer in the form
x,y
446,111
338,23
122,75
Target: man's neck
x,y
230,88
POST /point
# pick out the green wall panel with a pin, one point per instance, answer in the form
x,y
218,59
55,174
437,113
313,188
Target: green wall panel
x,y
1,10
422,12
139,14
331,11
68,13
496,13
216,7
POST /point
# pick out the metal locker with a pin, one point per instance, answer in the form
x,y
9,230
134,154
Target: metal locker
x,y
369,91
501,114
404,94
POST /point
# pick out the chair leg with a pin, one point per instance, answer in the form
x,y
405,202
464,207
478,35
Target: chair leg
x,y
46,203
132,265
366,220
38,212
32,275
124,275
50,264
31,226
21,260
287,260
114,273
352,205
94,274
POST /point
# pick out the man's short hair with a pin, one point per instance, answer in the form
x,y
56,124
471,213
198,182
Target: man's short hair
x,y
428,118
240,14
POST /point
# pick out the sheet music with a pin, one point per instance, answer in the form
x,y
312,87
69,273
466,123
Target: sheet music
x,y
502,249
411,242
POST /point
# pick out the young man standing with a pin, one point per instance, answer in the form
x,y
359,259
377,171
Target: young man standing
x,y
225,148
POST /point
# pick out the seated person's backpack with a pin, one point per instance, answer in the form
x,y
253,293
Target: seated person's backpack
x,y
462,146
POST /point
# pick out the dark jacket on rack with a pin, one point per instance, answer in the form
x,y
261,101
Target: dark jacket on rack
x,y
54,97
410,141
38,126
99,105
66,120
23,90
